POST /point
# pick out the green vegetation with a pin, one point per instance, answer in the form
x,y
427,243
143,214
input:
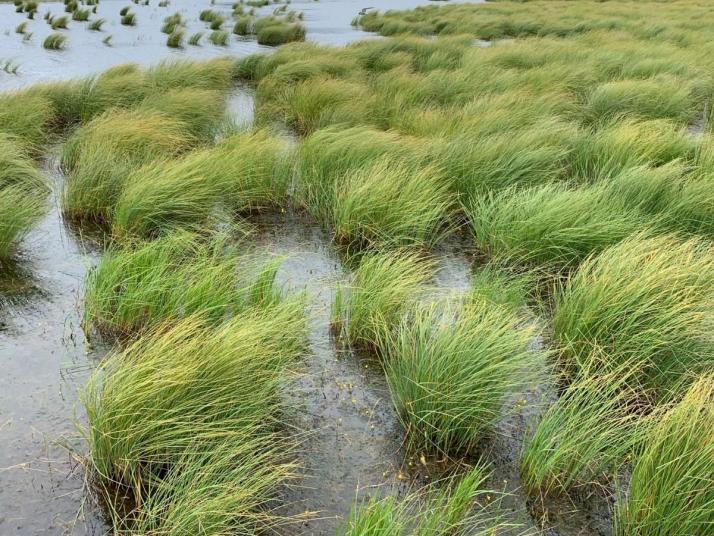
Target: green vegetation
x,y
172,23
449,372
444,508
129,19
384,287
195,39
644,301
161,411
275,31
96,25
176,39
670,489
58,23
55,41
81,15
174,277
586,436
219,38
23,194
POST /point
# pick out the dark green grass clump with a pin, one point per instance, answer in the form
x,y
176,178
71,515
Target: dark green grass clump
x,y
645,301
449,372
670,489
23,195
276,31
219,38
188,416
54,41
182,274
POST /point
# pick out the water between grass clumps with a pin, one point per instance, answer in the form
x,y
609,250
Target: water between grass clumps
x,y
327,22
44,358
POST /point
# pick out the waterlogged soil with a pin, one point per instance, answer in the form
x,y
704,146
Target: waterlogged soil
x,y
44,358
326,21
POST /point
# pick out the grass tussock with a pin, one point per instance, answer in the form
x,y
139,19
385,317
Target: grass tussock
x,y
384,287
646,300
101,155
670,488
587,436
276,31
183,274
161,410
449,371
23,195
55,41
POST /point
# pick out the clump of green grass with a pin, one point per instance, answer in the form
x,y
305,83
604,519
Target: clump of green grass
x,y
195,39
129,19
176,39
645,300
384,287
243,25
21,28
107,41
207,15
23,194
171,23
276,31
180,394
496,286
449,371
54,41
59,23
125,10
28,117
201,110
657,98
454,506
96,25
552,225
216,23
619,145
670,489
176,276
586,436
81,15
100,156
390,203
219,38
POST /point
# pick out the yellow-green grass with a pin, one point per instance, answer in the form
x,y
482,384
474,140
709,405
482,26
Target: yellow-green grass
x,y
455,506
646,300
179,275
670,490
450,369
587,436
27,117
102,154
182,392
552,226
390,203
383,288
23,194
244,172
275,31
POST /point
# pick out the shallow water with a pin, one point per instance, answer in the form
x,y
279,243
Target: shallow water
x,y
327,22
44,357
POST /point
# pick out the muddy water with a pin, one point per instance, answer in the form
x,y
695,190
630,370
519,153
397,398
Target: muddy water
x,y
44,357
327,22
340,399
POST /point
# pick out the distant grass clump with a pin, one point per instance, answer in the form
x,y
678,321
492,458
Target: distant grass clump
x,y
219,38
383,288
96,25
129,19
276,31
670,489
58,23
23,195
195,39
162,410
243,25
100,156
171,23
645,301
586,436
81,15
182,274
551,225
449,372
176,39
54,41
